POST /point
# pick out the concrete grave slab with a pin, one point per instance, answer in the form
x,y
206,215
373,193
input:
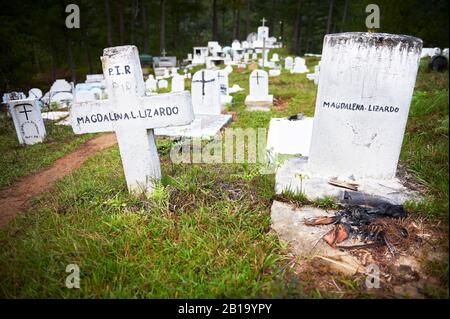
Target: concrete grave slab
x,y
204,126
306,241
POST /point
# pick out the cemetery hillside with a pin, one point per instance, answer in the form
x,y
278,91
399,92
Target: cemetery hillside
x,y
224,149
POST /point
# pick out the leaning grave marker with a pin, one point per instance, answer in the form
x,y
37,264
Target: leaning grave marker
x,y
28,122
132,116
364,94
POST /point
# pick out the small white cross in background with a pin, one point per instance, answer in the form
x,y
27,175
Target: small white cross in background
x,y
263,21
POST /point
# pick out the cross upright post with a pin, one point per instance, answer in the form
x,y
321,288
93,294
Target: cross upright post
x,y
203,81
263,21
132,116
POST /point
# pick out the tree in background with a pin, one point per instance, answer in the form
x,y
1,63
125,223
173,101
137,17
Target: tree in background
x,y
37,48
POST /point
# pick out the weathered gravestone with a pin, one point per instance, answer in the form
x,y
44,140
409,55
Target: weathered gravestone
x,y
163,84
314,76
84,96
363,99
151,85
205,92
200,54
222,77
299,66
178,83
259,98
132,116
34,93
288,63
207,108
27,120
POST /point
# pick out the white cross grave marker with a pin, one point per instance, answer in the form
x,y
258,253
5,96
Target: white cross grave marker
x,y
132,116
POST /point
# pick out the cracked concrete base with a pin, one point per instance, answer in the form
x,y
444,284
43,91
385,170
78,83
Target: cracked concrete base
x,y
293,175
306,241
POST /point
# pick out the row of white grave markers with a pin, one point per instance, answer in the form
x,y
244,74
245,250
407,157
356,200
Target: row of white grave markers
x,y
132,116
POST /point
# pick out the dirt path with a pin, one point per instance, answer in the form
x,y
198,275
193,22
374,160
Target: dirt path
x,y
18,197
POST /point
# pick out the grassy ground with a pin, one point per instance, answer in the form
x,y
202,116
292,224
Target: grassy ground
x,y
206,231
17,160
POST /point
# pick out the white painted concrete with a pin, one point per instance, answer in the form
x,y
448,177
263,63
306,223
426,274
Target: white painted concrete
x,y
364,94
259,98
292,137
205,92
27,118
131,115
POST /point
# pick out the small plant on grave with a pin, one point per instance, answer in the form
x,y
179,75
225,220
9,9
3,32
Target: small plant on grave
x,y
325,203
301,177
160,196
291,195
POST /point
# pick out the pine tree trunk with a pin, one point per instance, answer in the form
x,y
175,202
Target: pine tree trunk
x,y
297,27
108,23
121,22
145,26
247,20
87,50
162,30
214,21
238,25
70,60
330,16
344,16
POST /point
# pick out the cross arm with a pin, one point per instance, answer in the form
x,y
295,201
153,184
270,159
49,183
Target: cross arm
x,y
162,110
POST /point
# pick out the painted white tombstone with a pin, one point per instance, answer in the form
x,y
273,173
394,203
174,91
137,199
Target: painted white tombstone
x,y
363,99
163,84
85,96
94,78
275,58
314,76
259,98
228,69
200,54
236,45
234,89
205,92
246,57
274,72
166,74
263,31
288,63
151,84
222,77
178,83
132,116
299,66
60,85
34,93
27,118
